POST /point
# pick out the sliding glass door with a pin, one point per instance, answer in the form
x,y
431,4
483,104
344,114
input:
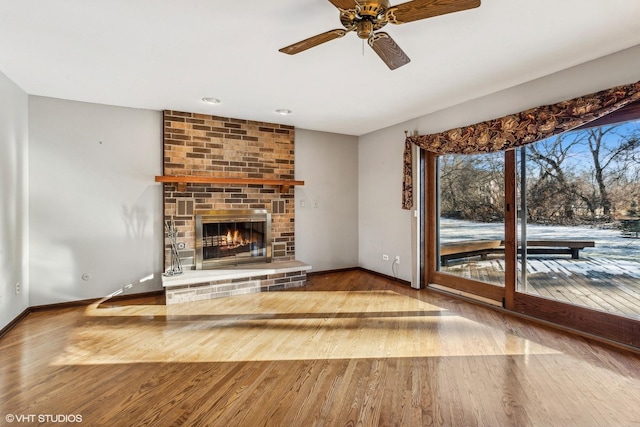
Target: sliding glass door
x,y
579,222
470,225
550,230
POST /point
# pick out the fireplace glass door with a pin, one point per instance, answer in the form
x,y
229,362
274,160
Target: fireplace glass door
x,y
232,237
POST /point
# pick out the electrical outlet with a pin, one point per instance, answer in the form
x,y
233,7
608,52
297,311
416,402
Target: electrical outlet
x,y
18,288
385,257
398,259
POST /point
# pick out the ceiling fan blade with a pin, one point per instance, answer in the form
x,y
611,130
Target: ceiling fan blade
x,y
388,50
344,4
313,41
421,9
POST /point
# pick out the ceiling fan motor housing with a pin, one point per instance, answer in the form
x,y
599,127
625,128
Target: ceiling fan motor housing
x,y
372,8
369,17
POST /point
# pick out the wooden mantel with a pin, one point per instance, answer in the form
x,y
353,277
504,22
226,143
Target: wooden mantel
x,y
182,181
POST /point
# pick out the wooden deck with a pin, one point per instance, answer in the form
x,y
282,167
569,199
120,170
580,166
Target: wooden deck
x,y
603,284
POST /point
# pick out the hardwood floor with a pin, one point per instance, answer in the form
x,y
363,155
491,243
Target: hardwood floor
x,y
350,348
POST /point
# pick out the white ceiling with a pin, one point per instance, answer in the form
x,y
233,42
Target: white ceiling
x,y
168,54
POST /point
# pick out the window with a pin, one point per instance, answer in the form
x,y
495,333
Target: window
x,y
581,219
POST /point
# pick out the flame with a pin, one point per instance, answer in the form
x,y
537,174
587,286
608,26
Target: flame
x,y
235,238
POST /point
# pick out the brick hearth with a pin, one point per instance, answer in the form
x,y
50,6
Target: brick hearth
x,y
200,285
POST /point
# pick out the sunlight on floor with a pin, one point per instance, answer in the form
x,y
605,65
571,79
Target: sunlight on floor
x,y
285,326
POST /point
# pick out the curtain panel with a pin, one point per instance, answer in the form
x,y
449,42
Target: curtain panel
x,y
518,129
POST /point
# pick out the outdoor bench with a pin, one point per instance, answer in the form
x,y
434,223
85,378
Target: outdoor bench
x,y
470,248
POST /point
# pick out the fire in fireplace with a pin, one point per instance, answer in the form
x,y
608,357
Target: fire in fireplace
x,y
233,236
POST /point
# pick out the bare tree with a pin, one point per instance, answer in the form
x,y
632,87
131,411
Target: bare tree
x,y
610,160
576,177
552,193
471,187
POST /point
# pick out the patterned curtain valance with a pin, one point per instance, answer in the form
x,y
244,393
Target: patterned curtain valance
x,y
518,129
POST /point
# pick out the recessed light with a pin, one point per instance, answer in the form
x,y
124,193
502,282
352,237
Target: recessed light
x,y
283,111
211,100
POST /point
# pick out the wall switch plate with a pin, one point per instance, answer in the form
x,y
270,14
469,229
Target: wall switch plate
x,y
385,257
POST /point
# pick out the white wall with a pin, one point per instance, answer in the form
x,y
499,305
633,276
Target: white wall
x,y
94,206
14,208
326,235
384,227
604,73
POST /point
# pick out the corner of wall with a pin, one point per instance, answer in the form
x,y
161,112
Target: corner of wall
x,y
14,190
327,204
385,228
95,212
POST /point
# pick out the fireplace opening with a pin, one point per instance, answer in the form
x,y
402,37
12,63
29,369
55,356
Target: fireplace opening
x,y
233,239
229,237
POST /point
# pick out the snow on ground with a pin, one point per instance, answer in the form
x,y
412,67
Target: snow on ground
x,y
609,242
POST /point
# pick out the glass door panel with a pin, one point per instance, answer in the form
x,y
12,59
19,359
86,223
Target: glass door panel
x,y
471,216
579,219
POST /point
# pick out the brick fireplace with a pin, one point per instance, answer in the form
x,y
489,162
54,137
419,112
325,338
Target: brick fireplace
x,y
203,147
200,145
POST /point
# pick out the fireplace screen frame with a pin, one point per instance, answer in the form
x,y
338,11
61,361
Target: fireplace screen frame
x,y
230,216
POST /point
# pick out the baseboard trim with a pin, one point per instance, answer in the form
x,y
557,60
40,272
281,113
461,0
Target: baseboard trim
x,y
344,270
386,276
14,322
72,304
60,305
337,270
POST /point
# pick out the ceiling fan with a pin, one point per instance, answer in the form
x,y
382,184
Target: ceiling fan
x,y
365,17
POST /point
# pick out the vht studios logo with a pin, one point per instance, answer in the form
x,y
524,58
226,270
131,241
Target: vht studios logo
x,y
43,418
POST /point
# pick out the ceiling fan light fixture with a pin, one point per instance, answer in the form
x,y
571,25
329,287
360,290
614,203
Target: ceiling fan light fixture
x,y
212,101
283,111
